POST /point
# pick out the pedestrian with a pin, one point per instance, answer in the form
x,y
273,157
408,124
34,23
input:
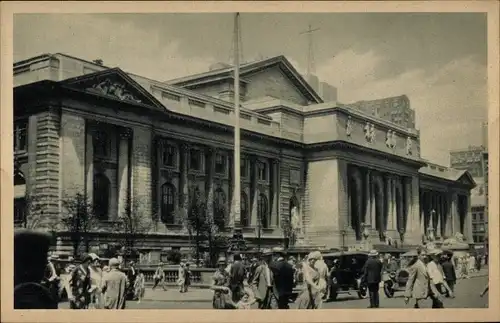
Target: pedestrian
x,y
245,303
418,285
262,285
436,276
465,266
95,281
222,298
372,276
139,286
187,277
310,295
471,263
251,271
237,278
51,278
30,261
114,286
159,277
449,272
181,277
80,284
283,273
322,269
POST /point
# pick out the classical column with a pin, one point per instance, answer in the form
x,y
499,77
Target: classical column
x,y
449,219
89,162
374,202
368,209
123,170
275,193
184,182
389,182
439,214
159,161
408,221
468,219
422,212
253,189
209,184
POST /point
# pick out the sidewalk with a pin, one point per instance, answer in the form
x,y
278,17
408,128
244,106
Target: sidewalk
x,y
481,273
172,294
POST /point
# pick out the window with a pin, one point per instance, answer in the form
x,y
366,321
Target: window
x,y
244,167
102,144
262,209
168,156
481,216
244,210
262,171
195,159
474,216
20,135
480,239
167,203
101,196
219,208
19,209
220,163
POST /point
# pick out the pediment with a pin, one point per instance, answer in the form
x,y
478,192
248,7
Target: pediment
x,y
114,84
467,179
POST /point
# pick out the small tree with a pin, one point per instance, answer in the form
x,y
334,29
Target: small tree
x,y
79,220
133,225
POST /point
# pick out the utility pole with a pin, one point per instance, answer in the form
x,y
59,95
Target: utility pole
x,y
310,55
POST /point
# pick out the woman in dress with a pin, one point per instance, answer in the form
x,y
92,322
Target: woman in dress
x,y
181,277
139,286
95,281
80,285
310,296
220,285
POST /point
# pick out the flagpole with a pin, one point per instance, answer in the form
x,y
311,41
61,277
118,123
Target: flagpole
x,y
237,169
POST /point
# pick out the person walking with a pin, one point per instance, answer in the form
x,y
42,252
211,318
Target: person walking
x,y
436,276
30,261
220,285
159,277
181,277
262,285
418,285
310,295
450,274
114,286
81,284
139,286
322,269
187,277
51,278
283,273
237,278
95,281
372,276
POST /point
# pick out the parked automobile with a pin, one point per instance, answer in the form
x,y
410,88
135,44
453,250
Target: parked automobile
x,y
396,281
345,278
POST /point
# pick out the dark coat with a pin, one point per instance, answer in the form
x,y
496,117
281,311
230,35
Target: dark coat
x,y
237,273
283,274
33,296
449,271
372,271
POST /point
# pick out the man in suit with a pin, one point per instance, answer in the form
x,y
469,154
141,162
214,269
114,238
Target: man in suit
x,y
262,285
114,286
449,273
372,276
237,276
283,273
418,285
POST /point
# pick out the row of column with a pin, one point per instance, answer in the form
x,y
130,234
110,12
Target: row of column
x,y
255,186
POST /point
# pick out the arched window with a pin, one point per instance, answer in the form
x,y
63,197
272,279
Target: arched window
x,y
167,203
219,208
101,195
262,210
244,210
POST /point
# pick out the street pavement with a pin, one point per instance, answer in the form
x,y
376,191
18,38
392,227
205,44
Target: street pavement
x,y
466,296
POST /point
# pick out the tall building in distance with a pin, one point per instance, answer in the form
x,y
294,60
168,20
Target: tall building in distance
x,y
474,159
394,109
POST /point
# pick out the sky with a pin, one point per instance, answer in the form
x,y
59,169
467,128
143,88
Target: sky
x,y
437,59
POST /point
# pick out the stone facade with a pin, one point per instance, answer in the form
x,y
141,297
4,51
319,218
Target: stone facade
x,y
152,144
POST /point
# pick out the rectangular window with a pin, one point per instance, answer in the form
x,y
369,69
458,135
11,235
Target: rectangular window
x,y
481,216
168,156
21,135
244,168
262,171
195,159
102,144
220,163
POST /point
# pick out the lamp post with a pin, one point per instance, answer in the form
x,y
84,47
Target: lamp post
x,y
343,232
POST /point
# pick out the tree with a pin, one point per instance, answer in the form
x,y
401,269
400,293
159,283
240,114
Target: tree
x,y
79,220
33,213
133,225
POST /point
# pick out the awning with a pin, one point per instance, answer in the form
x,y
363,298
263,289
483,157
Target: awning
x,y
19,191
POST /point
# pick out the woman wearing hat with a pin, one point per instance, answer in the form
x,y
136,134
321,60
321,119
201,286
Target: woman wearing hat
x,y
220,285
310,295
80,285
95,281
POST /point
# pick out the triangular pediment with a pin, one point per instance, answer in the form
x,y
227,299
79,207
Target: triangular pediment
x,y
467,179
116,85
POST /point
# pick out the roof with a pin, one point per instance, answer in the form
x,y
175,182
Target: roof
x,y
248,68
447,173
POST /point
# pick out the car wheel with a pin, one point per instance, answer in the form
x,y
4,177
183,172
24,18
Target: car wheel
x,y
363,292
388,290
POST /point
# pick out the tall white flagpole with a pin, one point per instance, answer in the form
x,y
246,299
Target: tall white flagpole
x,y
237,169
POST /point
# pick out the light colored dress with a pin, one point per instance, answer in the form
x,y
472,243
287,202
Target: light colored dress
x,y
221,300
95,286
310,296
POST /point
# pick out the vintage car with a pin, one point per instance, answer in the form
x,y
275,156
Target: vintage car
x,y
396,281
345,277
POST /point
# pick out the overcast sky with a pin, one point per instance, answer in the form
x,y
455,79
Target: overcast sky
x,y
437,60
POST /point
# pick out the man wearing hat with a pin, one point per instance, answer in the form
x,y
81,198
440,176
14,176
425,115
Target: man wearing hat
x,y
283,274
237,277
30,260
114,286
159,277
418,285
372,276
262,284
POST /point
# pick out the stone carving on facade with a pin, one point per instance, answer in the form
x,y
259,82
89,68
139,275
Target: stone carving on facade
x,y
390,139
348,127
369,132
295,221
459,237
365,230
115,89
430,233
408,146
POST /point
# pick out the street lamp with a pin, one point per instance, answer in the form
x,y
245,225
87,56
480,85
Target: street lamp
x,y
343,232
